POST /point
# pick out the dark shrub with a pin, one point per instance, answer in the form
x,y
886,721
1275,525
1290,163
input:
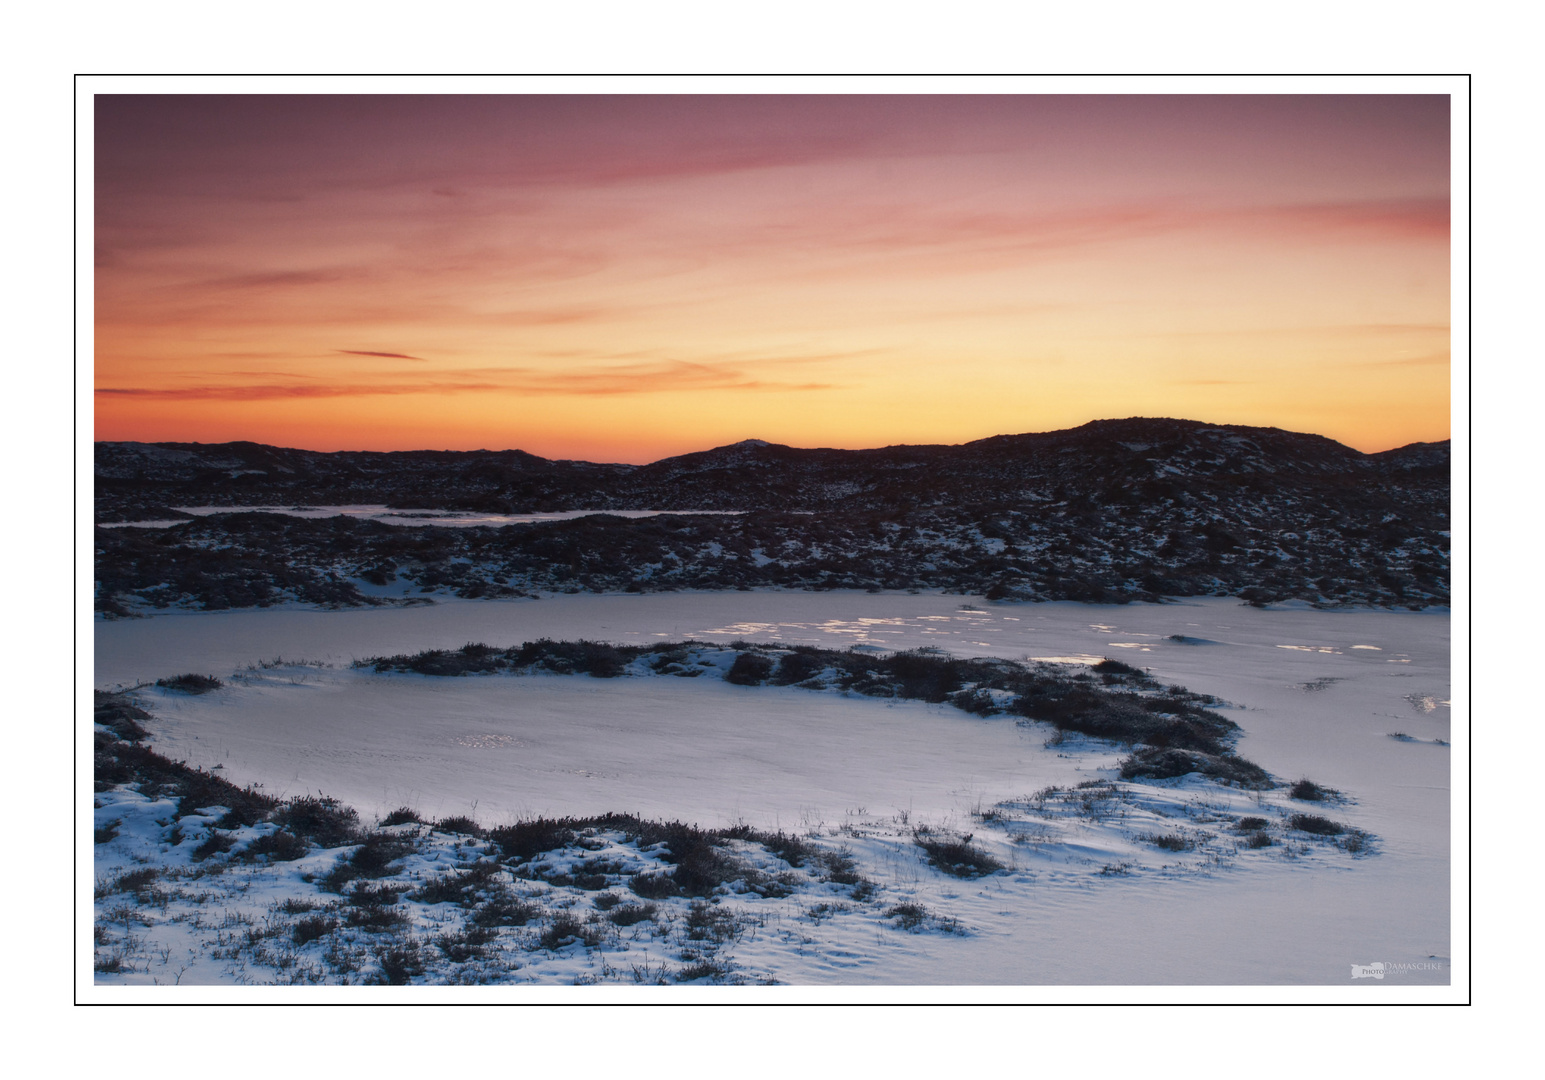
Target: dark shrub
x,y
467,945
1309,791
1171,842
199,790
955,855
120,716
1251,824
796,667
376,918
908,916
216,843
567,930
402,816
630,914
504,908
654,886
924,675
190,684
106,832
379,850
1116,667
311,928
457,888
574,657
281,846
528,839
462,826
1155,764
1313,823
399,963
1258,840
791,849
322,820
749,669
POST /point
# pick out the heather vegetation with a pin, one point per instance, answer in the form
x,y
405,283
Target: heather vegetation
x,y
1112,512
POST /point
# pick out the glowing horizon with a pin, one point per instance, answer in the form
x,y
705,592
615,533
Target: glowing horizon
x,y
627,278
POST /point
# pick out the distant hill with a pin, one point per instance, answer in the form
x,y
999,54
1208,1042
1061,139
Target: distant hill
x,y
1114,509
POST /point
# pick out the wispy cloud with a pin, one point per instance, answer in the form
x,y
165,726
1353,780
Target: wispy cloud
x,y
1425,360
388,355
595,381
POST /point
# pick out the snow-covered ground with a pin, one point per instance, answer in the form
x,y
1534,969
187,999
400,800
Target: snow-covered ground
x,y
1085,897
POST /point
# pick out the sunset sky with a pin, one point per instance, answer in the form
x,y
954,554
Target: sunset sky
x,y
621,278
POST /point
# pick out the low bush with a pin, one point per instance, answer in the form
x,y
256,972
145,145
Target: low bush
x,y
749,669
280,846
460,825
400,963
1170,842
1162,764
1309,791
631,914
1251,824
504,908
1258,840
322,820
956,855
1316,825
312,928
909,916
797,667
1116,667
467,945
526,840
565,929
190,684
654,886
216,843
401,816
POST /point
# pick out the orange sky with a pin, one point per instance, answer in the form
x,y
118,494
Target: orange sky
x,y
624,278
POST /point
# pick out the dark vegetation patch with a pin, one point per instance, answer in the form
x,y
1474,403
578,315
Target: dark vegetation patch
x,y
462,826
700,860
402,816
566,929
955,855
503,908
320,819
278,846
1309,791
1170,842
120,716
373,858
190,684
1315,825
1251,824
1154,764
630,914
749,669
312,928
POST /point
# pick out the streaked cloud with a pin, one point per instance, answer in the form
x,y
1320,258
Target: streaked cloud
x,y
388,355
